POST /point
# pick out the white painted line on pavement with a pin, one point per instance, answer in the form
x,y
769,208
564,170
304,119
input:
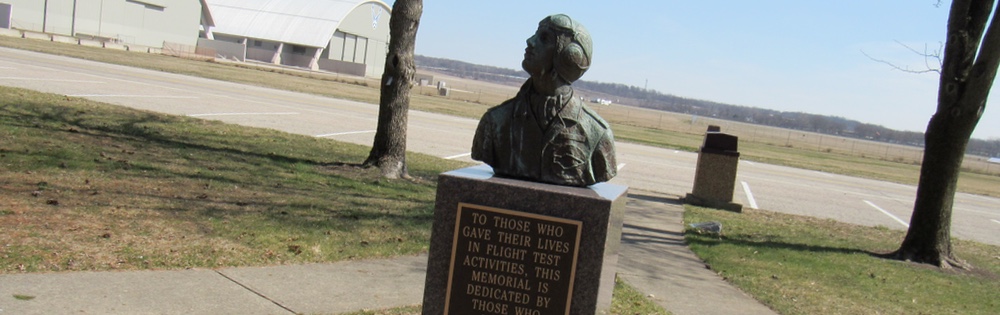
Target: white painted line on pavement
x,y
50,80
345,133
457,156
620,166
887,213
241,114
995,221
748,162
130,96
746,189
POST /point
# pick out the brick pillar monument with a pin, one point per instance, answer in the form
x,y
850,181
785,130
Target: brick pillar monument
x,y
715,175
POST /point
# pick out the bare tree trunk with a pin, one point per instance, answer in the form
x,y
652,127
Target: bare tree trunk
x,y
967,74
389,148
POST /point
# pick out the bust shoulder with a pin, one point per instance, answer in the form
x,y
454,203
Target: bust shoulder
x,y
503,111
598,121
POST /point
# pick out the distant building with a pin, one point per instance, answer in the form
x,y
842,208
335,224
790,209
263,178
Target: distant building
x,y
345,36
136,22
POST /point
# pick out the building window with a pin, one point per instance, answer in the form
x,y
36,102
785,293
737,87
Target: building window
x,y
257,43
296,49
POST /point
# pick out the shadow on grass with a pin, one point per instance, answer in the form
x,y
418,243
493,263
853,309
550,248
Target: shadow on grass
x,y
744,240
170,140
67,119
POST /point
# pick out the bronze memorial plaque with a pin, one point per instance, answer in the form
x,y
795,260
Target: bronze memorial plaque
x,y
509,262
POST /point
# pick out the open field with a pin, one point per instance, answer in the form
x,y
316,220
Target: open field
x,y
802,265
758,143
853,157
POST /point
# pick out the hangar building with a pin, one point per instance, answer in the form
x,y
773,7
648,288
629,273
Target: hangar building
x,y
138,22
345,36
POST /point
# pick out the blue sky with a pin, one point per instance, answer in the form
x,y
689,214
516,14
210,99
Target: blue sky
x,y
801,56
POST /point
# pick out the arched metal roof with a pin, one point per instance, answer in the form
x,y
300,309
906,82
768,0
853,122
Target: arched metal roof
x,y
302,22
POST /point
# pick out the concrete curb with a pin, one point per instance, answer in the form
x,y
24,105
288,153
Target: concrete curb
x,y
35,35
90,43
64,39
110,45
79,41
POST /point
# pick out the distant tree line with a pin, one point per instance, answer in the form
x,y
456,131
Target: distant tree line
x,y
471,71
649,98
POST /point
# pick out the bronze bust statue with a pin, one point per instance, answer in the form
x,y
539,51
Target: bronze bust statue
x,y
544,133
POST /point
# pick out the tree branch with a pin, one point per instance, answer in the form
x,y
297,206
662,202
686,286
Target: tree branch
x,y
936,55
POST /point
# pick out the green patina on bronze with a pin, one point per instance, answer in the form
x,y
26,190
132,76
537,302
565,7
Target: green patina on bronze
x,y
545,133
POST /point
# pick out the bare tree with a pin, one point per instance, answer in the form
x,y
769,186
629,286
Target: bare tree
x,y
389,148
971,57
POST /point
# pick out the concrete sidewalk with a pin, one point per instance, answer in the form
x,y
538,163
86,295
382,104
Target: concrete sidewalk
x,y
654,260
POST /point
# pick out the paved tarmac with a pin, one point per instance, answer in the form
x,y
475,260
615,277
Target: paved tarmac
x,y
654,259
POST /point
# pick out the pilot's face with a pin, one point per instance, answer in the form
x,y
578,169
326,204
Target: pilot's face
x,y
540,53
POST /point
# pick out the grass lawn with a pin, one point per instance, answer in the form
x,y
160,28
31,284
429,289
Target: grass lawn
x,y
89,186
801,265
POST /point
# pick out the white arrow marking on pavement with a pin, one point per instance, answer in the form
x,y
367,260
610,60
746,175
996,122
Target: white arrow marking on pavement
x,y
746,189
457,156
620,166
887,213
344,133
997,222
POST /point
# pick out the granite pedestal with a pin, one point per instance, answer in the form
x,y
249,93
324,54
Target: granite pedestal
x,y
505,246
